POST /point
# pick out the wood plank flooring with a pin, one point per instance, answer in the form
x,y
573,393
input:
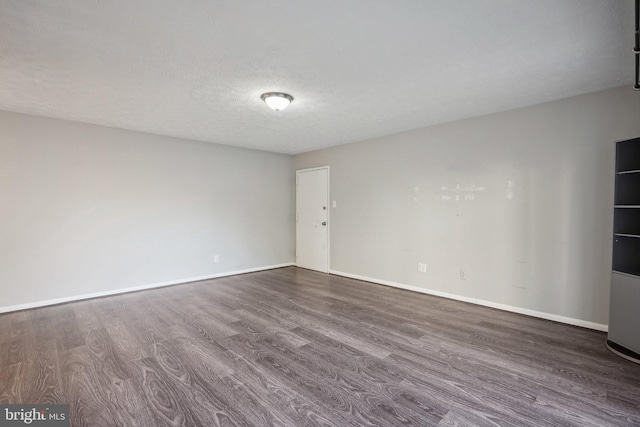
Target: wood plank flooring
x,y
292,347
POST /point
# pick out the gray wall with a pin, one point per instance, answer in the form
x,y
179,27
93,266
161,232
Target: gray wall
x,y
86,209
521,201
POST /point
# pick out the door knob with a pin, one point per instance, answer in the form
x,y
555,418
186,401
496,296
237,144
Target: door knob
x,y
324,223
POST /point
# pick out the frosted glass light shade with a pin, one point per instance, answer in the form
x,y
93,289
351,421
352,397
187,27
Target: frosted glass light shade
x,y
277,100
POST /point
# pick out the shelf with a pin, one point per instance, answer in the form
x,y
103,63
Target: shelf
x,y
626,172
627,206
626,222
628,155
627,186
636,236
627,273
626,254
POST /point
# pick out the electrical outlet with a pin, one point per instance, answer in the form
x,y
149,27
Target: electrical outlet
x,y
216,259
422,267
463,275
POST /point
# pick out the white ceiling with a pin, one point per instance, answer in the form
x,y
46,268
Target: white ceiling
x,y
356,68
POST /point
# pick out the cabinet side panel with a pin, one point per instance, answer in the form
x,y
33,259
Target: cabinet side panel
x,y
624,317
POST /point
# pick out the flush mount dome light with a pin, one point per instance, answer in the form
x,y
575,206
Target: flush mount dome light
x,y
277,100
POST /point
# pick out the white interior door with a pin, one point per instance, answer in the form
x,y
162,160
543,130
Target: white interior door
x,y
312,219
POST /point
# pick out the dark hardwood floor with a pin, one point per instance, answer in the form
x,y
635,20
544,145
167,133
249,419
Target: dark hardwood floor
x,y
291,347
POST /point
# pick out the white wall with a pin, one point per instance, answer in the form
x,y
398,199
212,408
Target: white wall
x,y
87,209
533,223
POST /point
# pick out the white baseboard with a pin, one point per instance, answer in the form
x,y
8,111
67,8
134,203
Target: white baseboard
x,y
505,307
36,304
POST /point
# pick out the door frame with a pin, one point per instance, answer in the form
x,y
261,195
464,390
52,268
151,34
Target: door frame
x,y
328,169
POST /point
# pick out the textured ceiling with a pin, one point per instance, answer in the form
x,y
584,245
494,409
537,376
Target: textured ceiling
x,y
357,69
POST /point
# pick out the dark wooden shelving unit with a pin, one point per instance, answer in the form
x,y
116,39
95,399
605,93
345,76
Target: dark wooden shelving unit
x,y
624,313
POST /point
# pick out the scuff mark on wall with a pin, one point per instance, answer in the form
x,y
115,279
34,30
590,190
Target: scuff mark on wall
x,y
459,192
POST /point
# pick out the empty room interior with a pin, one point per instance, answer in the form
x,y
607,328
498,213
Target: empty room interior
x,y
298,213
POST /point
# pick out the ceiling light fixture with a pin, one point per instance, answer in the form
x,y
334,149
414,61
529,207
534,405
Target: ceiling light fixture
x,y
277,100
